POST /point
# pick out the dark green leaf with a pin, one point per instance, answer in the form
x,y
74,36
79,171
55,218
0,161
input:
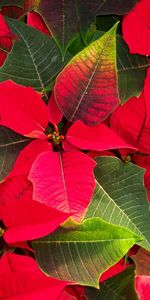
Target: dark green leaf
x,y
119,287
18,3
34,60
11,144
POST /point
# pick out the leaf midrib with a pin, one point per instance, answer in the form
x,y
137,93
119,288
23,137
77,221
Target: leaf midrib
x,y
14,143
30,53
131,222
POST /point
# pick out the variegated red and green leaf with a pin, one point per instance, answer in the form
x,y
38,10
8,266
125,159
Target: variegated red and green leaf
x,y
87,88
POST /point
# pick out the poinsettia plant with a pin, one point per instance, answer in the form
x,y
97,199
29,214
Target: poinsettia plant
x,y
74,149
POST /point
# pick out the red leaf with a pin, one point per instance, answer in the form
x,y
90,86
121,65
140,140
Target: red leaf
x,y
144,162
36,21
5,47
66,296
128,121
21,279
22,109
15,189
94,154
98,137
74,292
12,11
28,155
4,29
143,287
30,220
136,28
67,146
5,40
114,270
55,115
147,97
64,181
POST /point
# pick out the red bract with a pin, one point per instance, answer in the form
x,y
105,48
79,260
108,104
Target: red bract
x,y
114,270
144,162
136,28
129,122
98,137
36,21
30,118
73,292
55,115
143,287
5,40
24,218
64,181
22,109
20,278
30,220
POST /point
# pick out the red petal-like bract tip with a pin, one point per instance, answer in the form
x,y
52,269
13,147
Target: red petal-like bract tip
x,y
22,109
4,29
143,287
114,270
136,28
36,21
55,115
21,279
147,97
98,137
5,40
5,47
31,220
64,181
74,292
144,162
129,122
28,155
12,11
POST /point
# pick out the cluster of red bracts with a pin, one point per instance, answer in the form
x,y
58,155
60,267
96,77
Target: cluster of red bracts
x,y
33,209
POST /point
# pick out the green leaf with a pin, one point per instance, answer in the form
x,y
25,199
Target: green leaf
x,y
119,287
11,144
131,69
87,88
34,60
18,3
120,197
82,254
64,18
